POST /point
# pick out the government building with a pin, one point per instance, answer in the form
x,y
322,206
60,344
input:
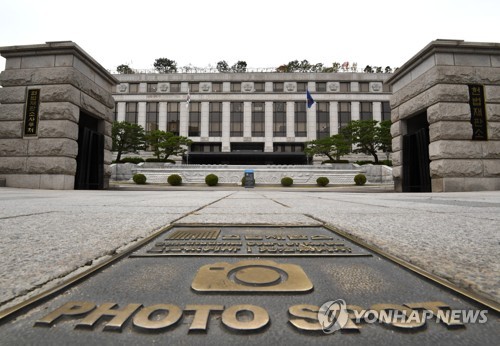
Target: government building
x,y
251,117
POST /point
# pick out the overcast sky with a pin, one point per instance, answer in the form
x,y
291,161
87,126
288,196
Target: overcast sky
x,y
264,33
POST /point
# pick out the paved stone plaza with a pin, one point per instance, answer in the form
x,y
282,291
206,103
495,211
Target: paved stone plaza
x,y
50,235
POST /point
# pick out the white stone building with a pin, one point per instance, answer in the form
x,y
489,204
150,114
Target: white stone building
x,y
252,117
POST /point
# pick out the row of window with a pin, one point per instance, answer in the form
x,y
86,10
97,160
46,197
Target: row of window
x,y
258,87
217,146
257,117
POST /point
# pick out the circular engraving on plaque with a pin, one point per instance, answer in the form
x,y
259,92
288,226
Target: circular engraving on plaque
x,y
257,276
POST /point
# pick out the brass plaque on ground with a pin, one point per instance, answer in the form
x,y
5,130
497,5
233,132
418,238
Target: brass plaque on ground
x,y
251,241
312,297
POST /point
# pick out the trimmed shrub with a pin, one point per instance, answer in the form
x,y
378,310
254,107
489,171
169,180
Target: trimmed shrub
x,y
360,179
322,181
243,181
335,161
139,178
154,159
211,180
135,160
174,179
287,181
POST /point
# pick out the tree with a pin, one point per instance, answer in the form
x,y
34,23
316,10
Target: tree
x,y
333,147
164,65
127,138
240,66
378,69
222,66
165,144
369,136
368,69
124,69
385,136
388,69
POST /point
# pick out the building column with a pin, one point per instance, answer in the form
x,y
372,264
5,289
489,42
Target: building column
x,y
184,120
141,115
162,116
377,111
334,118
268,127
354,111
290,119
205,108
311,122
120,116
226,126
247,119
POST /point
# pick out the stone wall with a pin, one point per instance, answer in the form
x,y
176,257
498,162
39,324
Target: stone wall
x,y
70,82
436,81
338,174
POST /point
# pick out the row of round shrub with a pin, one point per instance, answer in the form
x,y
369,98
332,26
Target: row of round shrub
x,y
213,180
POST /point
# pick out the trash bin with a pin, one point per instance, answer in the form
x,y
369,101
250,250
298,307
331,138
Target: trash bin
x,y
249,178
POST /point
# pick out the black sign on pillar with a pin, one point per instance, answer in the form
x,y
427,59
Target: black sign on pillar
x,y
478,112
31,113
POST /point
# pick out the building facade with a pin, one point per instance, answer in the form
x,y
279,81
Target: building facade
x,y
252,117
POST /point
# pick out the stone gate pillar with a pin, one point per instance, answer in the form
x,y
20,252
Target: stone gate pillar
x,y
446,118
53,96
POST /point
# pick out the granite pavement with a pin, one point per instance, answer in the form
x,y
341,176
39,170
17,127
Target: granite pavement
x,y
47,236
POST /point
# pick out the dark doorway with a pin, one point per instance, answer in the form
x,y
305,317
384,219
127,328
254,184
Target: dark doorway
x,y
90,159
416,170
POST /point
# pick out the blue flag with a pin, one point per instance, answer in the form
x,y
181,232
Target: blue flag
x,y
310,100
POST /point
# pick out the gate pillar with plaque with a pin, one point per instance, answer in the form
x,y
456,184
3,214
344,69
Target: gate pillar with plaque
x,y
450,83
56,111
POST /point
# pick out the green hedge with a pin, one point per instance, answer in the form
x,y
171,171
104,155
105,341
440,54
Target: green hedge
x,y
211,180
154,159
286,181
174,180
360,179
135,160
322,181
139,178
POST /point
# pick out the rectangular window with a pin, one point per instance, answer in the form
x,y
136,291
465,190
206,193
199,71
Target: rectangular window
x,y
364,87
216,87
301,86
386,111
194,119
365,111
206,147
152,87
345,87
115,112
259,86
300,119
258,119
321,86
278,86
194,87
236,87
131,113
215,119
151,116
288,147
322,120
279,119
133,88
386,88
173,116
344,114
236,119
175,87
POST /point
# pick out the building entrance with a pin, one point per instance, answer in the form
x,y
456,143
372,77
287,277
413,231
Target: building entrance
x,y
416,170
90,159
